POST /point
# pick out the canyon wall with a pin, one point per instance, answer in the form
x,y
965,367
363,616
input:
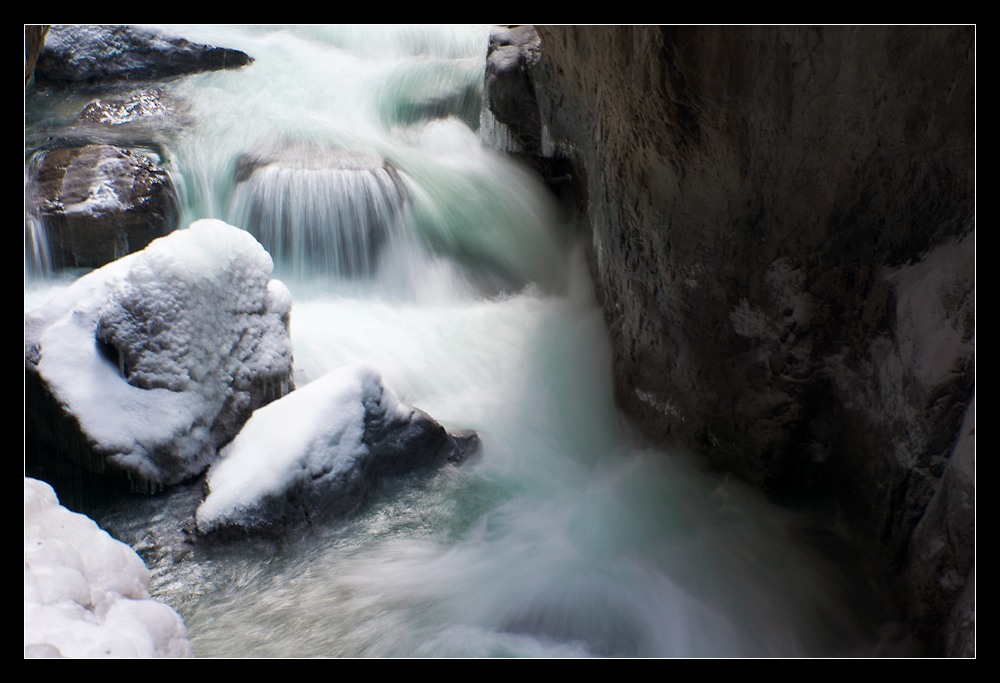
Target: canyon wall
x,y
782,222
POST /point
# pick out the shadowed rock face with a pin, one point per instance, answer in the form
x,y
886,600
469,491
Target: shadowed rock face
x,y
782,231
104,54
98,203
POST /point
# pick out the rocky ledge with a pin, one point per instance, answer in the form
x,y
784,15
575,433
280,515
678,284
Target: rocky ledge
x,y
108,54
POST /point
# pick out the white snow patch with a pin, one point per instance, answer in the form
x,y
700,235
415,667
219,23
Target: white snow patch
x,y
933,298
86,594
314,430
750,323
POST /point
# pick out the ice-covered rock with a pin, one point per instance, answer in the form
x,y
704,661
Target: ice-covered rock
x,y
315,454
86,594
147,104
152,363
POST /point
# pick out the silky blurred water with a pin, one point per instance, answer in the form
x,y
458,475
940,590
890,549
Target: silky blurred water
x,y
562,538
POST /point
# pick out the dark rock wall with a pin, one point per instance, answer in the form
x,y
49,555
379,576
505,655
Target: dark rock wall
x,y
782,223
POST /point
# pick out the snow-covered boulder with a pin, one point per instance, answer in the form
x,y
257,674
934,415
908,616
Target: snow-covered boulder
x,y
316,453
86,594
154,362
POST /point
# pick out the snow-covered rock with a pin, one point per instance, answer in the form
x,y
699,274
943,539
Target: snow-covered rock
x,y
152,363
86,594
316,453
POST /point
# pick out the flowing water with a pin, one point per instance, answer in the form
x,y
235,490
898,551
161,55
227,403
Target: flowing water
x,y
448,268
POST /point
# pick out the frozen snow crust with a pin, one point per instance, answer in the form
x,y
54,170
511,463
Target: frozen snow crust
x,y
316,452
86,594
161,356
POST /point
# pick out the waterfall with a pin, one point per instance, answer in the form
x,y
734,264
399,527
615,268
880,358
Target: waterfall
x,y
37,257
352,155
322,209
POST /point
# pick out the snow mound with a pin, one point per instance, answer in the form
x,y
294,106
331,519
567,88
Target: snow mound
x,y
161,356
316,452
86,594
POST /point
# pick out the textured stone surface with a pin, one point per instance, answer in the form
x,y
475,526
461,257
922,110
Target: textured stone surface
x,y
106,54
98,203
782,231
116,112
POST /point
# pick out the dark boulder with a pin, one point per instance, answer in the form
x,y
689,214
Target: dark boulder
x,y
98,203
508,92
107,54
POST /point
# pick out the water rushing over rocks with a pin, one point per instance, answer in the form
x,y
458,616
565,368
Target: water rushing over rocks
x,y
563,537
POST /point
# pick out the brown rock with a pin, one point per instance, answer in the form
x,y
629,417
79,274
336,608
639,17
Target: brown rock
x,y
98,203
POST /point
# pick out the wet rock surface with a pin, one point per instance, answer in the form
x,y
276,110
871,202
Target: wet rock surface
x,y
105,54
98,203
115,112
782,235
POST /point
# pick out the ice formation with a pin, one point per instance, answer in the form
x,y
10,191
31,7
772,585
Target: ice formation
x,y
86,594
162,355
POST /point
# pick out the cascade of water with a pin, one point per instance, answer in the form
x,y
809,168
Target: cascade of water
x,y
348,153
321,210
37,258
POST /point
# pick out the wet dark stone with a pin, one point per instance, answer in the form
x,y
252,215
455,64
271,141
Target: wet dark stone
x,y
104,54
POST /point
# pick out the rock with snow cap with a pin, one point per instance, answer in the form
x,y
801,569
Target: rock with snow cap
x,y
151,364
315,454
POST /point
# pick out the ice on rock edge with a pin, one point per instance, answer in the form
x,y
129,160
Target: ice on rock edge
x,y
200,337
86,594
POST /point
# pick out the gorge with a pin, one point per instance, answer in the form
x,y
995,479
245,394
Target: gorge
x,y
750,249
